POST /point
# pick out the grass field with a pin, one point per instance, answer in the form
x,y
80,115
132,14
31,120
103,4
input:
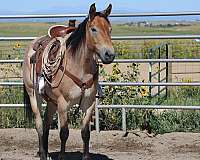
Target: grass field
x,y
38,29
136,48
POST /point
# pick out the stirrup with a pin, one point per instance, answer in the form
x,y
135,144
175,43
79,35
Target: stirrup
x,y
99,91
41,84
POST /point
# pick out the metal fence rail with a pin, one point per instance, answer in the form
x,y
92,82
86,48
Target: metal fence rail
x,y
122,60
112,15
149,107
121,84
117,37
15,105
119,106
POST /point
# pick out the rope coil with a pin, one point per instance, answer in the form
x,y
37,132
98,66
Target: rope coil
x,y
52,58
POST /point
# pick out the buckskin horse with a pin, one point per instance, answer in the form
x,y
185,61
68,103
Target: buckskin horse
x,y
75,79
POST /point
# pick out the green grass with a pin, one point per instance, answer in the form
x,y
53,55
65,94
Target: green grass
x,y
119,30
136,48
38,29
23,29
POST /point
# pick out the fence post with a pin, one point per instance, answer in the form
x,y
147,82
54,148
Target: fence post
x,y
58,122
150,72
159,56
168,68
97,116
124,120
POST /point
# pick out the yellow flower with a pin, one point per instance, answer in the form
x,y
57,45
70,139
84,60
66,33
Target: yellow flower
x,y
143,91
157,69
187,80
17,45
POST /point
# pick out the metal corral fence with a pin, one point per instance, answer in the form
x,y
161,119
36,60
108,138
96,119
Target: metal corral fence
x,y
124,107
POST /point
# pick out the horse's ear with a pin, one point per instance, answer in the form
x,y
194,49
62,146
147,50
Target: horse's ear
x,y
92,11
108,10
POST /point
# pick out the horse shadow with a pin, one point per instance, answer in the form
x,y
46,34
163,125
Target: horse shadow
x,y
78,156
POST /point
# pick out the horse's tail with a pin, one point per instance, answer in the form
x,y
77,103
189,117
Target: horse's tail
x,y
28,114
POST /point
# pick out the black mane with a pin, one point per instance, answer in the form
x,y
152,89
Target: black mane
x,y
79,35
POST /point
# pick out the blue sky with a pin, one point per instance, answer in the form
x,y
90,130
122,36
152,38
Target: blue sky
x,y
81,6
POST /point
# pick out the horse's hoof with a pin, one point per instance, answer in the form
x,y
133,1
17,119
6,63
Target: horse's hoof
x,y
41,155
61,157
37,154
86,157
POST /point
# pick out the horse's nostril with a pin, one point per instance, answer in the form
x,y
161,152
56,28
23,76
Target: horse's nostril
x,y
107,54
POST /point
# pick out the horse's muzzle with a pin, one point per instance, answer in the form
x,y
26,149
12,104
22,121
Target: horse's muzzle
x,y
107,56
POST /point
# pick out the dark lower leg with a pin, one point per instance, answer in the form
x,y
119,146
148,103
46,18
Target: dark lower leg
x,y
64,134
48,117
85,133
45,138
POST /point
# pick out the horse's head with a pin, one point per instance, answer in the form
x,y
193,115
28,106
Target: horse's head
x,y
98,34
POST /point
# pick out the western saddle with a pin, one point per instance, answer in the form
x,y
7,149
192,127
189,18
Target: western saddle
x,y
52,42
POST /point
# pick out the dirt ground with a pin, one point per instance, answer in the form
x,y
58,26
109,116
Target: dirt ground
x,y
21,144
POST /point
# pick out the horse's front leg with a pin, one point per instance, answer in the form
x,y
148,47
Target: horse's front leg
x,y
85,131
64,131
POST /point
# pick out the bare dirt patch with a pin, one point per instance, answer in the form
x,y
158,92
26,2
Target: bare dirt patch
x,y
21,144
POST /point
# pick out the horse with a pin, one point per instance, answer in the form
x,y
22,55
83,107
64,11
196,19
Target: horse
x,y
78,80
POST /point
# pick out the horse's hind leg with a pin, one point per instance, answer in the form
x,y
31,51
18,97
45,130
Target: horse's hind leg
x,y
85,132
39,127
64,131
48,117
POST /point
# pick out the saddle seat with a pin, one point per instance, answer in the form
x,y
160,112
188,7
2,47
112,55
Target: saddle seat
x,y
60,31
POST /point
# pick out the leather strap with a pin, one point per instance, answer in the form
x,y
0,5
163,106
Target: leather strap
x,y
78,82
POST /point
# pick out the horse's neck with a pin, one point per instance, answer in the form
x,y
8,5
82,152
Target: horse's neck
x,y
82,63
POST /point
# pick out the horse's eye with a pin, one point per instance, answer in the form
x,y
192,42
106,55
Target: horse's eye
x,y
110,29
93,29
